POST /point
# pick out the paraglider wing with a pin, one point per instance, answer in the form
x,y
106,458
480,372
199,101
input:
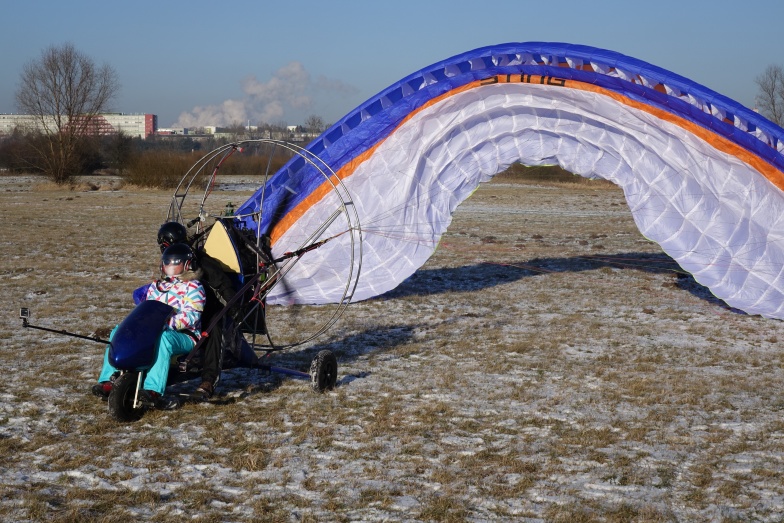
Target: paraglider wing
x,y
702,174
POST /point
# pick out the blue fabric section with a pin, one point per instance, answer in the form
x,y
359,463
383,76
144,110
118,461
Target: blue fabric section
x,y
140,294
134,340
373,120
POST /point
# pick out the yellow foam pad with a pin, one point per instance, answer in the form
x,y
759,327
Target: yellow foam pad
x,y
220,246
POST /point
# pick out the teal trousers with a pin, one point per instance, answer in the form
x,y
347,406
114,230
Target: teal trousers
x,y
170,343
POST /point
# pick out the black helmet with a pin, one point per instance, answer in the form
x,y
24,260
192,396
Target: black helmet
x,y
171,233
176,255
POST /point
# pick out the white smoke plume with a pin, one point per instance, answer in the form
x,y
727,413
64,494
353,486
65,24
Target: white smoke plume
x,y
290,91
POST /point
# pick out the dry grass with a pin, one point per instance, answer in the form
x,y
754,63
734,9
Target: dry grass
x,y
545,365
162,169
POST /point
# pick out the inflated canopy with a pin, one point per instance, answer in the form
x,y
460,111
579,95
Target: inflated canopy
x,y
703,175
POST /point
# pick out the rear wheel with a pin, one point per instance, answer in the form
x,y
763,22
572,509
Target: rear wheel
x,y
324,371
121,398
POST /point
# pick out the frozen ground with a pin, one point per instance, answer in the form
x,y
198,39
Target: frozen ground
x,y
545,365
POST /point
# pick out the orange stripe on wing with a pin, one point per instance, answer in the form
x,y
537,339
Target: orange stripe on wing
x,y
773,174
347,170
768,170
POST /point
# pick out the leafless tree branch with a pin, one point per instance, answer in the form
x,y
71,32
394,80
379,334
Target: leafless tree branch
x,y
770,98
64,91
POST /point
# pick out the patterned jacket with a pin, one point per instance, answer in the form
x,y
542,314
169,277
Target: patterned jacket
x,y
186,294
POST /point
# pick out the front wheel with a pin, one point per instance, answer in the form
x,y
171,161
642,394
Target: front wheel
x,y
122,396
324,371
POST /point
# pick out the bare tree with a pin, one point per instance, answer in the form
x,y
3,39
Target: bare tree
x,y
770,99
64,91
314,124
237,130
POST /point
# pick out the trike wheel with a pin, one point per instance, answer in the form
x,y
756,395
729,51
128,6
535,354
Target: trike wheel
x,y
121,398
324,371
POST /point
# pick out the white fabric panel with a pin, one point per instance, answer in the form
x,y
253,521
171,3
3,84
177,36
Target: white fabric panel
x,y
711,212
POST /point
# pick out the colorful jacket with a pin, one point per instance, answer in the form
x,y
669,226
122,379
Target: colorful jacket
x,y
186,294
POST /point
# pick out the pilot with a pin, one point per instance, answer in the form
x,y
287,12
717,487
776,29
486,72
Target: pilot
x,y
219,290
179,286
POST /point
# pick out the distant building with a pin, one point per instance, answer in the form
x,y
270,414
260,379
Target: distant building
x,y
133,125
169,131
10,122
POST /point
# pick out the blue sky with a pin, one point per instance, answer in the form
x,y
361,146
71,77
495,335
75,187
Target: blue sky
x,y
196,62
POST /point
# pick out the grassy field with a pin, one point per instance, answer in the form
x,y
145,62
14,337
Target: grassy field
x,y
546,364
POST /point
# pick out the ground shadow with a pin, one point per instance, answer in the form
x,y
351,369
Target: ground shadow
x,y
252,381
424,282
481,276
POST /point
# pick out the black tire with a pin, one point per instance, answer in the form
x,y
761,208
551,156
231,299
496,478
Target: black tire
x,y
324,371
121,398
